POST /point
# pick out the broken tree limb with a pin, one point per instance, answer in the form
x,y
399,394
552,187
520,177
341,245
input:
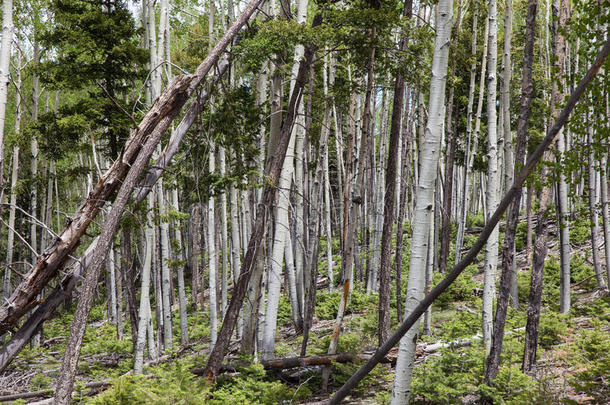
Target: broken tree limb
x,y
480,242
158,118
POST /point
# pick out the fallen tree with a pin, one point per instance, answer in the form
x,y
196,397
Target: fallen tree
x,y
175,96
158,119
64,289
480,242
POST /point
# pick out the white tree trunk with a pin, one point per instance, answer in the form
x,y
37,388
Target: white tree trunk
x,y
6,290
224,243
145,321
180,274
493,178
212,255
424,199
470,140
5,61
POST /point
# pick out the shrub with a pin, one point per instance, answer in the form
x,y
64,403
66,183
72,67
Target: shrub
x,y
521,236
462,288
580,230
552,327
475,220
591,379
580,270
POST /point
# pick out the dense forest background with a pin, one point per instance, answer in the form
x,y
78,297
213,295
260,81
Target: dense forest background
x,y
369,201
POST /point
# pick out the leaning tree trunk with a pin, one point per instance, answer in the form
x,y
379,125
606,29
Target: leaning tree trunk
x,y
158,119
540,244
273,170
413,318
424,195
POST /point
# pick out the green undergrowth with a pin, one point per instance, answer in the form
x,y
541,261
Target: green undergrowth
x,y
175,384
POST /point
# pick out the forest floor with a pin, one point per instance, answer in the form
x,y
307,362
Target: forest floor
x,y
573,365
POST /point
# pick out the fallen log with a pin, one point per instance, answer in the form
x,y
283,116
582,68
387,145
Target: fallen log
x,y
305,361
93,385
49,391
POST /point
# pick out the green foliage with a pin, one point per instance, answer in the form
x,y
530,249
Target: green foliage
x,y
591,377
462,288
378,380
469,241
476,220
446,379
521,236
551,282
511,386
580,270
327,303
463,324
175,385
348,343
284,311
97,56
553,326
580,230
252,387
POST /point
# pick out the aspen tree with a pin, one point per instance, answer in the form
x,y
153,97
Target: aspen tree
x,y
144,312
390,191
493,359
6,288
424,203
540,243
472,135
493,177
5,62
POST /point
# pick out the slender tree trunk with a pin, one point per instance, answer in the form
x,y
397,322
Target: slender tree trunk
x,y
424,196
508,267
5,62
469,156
212,256
390,190
6,288
451,142
195,232
273,170
594,217
493,178
351,218
560,46
144,312
405,176
128,274
180,272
